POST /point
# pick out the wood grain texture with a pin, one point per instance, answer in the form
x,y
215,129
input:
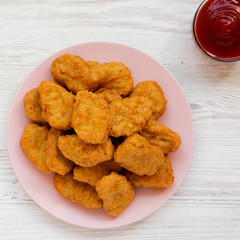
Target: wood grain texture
x,y
207,204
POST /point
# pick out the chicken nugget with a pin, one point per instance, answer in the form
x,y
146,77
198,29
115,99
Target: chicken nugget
x,y
57,105
78,192
129,115
91,118
159,135
32,107
108,95
162,179
118,78
76,74
152,91
85,154
98,74
137,155
33,143
116,192
116,70
55,160
92,175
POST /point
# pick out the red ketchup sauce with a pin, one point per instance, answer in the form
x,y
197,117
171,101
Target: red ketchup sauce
x,y
217,29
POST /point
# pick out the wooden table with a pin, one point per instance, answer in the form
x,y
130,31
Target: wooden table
x,y
207,204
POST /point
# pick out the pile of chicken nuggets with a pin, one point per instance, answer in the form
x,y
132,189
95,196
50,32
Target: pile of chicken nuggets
x,y
98,133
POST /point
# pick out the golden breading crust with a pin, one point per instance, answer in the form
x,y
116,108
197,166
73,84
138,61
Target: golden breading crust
x,y
91,118
57,105
98,74
91,175
116,192
118,78
137,155
84,154
159,135
33,143
32,107
162,179
77,74
129,115
152,91
55,160
77,192
108,95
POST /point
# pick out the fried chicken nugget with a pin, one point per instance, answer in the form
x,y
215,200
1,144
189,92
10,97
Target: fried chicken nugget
x,y
77,74
129,115
98,74
159,135
55,159
78,192
116,192
57,105
137,155
118,77
152,91
84,154
32,107
92,175
91,118
108,95
162,179
33,143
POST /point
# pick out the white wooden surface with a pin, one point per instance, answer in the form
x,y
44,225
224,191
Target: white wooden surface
x,y
207,205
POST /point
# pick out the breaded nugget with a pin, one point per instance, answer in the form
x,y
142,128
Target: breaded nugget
x,y
91,175
33,143
71,71
116,70
162,179
123,85
137,155
152,91
116,192
32,107
159,135
91,118
78,192
55,160
76,74
108,95
57,105
98,74
85,154
129,115
118,78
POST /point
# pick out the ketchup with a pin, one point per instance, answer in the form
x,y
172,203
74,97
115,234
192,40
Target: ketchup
x,y
217,28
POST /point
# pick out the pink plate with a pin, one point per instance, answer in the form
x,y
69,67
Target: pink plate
x,y
177,116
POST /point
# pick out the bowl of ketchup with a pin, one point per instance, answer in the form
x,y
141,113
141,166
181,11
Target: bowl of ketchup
x,y
216,28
